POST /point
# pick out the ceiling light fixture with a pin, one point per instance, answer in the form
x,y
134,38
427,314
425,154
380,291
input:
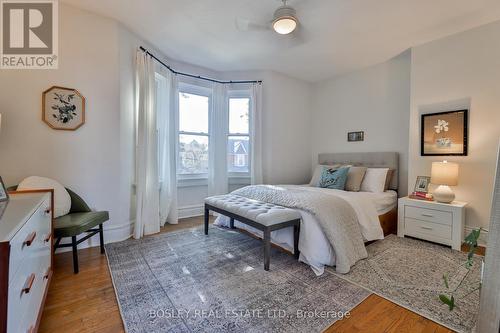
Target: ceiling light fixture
x,y
285,20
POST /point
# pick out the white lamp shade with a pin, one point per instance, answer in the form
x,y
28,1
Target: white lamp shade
x,y
444,173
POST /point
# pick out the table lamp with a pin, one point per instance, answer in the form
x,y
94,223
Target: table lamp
x,y
444,174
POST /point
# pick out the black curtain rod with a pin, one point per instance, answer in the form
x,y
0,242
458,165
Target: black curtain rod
x,y
191,75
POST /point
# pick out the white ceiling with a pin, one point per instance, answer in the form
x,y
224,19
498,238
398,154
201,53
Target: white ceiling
x,y
337,35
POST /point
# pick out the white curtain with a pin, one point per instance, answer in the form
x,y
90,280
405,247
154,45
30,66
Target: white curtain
x,y
256,134
147,218
167,129
217,177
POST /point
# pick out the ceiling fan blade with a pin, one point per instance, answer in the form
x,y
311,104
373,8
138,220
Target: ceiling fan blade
x,y
244,24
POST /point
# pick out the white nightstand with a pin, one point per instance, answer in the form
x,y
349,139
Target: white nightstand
x,y
432,221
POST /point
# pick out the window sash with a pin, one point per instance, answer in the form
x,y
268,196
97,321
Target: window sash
x,y
237,94
187,88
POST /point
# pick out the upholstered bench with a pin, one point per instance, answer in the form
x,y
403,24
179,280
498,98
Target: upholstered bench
x,y
260,215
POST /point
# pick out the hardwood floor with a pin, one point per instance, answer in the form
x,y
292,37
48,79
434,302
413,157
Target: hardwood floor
x,y
86,302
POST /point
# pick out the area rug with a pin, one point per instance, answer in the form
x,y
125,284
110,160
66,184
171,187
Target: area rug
x,y
409,272
188,282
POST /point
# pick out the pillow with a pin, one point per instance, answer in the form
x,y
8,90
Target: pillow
x,y
62,200
374,180
388,179
355,178
333,178
317,173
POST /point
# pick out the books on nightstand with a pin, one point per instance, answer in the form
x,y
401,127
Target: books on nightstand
x,y
421,196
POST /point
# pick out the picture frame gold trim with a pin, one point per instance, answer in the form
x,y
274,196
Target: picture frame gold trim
x,y
76,92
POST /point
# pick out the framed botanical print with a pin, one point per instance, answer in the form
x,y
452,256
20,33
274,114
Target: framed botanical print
x,y
444,133
63,108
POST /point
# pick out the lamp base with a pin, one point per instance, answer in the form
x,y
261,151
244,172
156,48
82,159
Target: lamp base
x,y
444,194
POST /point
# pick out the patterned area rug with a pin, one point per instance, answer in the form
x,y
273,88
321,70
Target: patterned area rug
x,y
188,282
409,272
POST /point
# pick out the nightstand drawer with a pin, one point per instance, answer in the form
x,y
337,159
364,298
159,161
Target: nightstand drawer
x,y
427,230
430,215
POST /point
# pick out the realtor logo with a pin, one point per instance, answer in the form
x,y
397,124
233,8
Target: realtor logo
x,y
29,34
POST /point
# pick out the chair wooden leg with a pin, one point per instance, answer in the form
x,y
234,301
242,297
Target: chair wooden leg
x,y
75,254
101,238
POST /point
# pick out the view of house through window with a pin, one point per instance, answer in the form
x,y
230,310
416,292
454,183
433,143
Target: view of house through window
x,y
193,134
238,142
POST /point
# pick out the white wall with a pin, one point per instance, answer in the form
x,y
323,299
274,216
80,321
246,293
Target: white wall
x,y
375,100
87,160
460,71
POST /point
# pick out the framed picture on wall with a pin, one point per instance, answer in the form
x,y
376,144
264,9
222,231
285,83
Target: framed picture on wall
x,y
63,108
444,133
355,136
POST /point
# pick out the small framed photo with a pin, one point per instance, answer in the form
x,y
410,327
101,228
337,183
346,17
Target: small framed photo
x,y
422,184
355,136
4,196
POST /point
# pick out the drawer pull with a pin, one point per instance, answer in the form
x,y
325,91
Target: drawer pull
x,y
427,215
47,238
47,211
47,273
29,283
30,238
426,228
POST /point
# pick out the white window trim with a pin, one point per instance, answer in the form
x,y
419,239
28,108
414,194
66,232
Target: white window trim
x,y
241,178
193,179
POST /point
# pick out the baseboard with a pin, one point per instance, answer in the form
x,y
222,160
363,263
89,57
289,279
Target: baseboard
x,y
190,211
483,237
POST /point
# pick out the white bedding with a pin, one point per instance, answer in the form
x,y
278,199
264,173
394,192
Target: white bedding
x,y
314,247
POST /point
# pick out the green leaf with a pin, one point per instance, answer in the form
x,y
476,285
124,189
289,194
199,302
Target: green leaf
x,y
445,279
448,301
472,238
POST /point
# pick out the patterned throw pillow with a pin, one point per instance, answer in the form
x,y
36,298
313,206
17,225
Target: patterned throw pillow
x,y
334,178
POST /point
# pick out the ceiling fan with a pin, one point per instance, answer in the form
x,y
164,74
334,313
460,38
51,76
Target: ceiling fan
x,y
284,22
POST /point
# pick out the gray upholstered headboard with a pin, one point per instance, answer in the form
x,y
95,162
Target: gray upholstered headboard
x,y
373,160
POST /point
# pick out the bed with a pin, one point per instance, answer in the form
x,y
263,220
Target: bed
x,y
375,212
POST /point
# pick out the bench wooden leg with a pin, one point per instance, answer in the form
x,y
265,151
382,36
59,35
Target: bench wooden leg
x,y
267,248
206,220
296,232
231,223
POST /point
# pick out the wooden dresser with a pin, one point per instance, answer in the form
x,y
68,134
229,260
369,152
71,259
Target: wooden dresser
x,y
25,259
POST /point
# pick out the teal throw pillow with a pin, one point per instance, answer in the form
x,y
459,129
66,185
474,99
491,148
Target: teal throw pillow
x,y
334,178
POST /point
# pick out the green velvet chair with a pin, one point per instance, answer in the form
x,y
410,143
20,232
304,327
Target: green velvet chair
x,y
80,219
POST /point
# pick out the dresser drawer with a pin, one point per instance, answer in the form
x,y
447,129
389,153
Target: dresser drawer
x,y
35,302
427,230
23,304
28,240
430,215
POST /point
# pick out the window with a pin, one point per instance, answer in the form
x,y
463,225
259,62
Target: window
x,y
238,140
194,109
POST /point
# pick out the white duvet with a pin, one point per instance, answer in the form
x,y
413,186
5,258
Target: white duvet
x,y
315,249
